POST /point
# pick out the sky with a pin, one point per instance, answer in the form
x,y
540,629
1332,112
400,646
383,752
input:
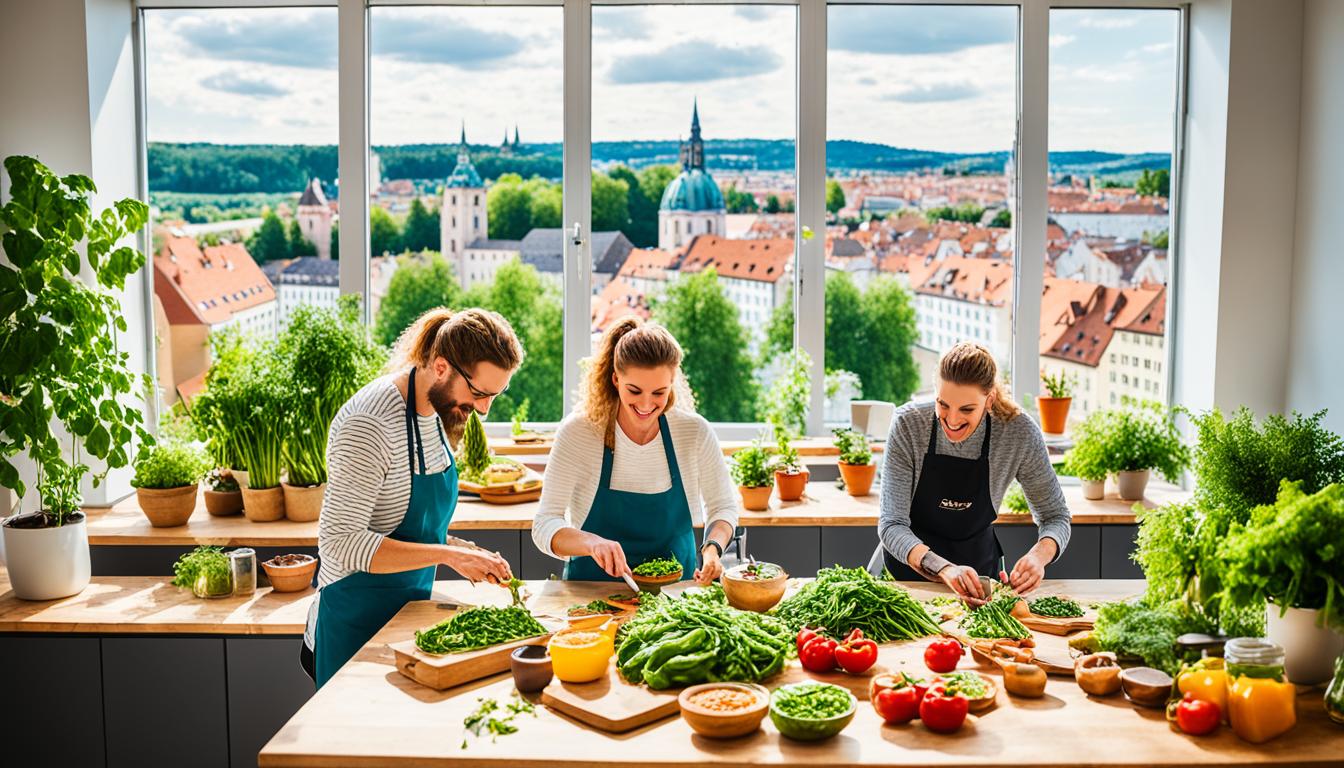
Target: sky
x,y
926,77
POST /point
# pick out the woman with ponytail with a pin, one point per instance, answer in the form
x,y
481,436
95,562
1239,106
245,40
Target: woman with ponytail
x,y
661,469
945,478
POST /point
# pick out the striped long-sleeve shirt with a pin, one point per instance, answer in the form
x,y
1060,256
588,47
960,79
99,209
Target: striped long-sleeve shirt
x,y
368,481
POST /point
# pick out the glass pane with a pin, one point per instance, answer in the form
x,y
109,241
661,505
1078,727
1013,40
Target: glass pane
x,y
466,121
921,117
693,187
1113,78
242,130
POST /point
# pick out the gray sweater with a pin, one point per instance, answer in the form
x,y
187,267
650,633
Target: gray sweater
x,y
1016,450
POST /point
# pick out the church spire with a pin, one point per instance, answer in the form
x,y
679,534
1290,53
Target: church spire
x,y
515,135
693,152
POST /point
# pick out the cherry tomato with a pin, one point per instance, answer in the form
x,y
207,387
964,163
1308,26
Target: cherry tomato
x,y
897,705
818,655
1197,717
942,712
856,654
943,655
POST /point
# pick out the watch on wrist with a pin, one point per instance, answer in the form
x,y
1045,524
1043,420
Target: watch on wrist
x,y
931,564
712,543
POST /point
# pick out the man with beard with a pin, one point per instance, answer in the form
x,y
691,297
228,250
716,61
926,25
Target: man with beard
x,y
392,481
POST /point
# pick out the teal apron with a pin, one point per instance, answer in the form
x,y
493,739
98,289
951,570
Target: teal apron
x,y
646,525
351,610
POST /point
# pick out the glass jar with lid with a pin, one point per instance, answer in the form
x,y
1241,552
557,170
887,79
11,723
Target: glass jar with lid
x,y
1261,703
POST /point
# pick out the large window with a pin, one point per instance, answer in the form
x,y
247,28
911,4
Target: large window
x,y
1113,85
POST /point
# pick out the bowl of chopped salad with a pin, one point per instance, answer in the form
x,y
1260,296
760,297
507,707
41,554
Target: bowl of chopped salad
x,y
754,586
657,572
812,711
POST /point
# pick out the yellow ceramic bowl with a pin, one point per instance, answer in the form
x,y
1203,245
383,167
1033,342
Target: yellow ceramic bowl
x,y
581,655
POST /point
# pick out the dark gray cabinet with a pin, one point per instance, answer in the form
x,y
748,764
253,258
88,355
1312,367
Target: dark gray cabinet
x,y
1079,561
54,686
796,549
266,687
505,542
848,546
1117,544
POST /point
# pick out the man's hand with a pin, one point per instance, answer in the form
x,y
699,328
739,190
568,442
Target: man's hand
x,y
476,564
711,567
609,556
963,580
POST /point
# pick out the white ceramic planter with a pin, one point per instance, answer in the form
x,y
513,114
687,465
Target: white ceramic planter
x,y
1309,650
47,563
1132,484
1094,489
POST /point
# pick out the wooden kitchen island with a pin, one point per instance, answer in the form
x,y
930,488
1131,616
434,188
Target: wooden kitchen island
x,y
370,715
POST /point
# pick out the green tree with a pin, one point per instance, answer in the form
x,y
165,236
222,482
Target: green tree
x,y
509,205
1004,219
1156,183
421,282
421,232
611,209
384,234
968,212
547,203
772,203
298,244
269,242
643,227
654,179
533,308
835,196
717,364
336,241
737,201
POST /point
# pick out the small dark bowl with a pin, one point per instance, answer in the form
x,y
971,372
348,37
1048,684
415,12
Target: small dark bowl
x,y
531,667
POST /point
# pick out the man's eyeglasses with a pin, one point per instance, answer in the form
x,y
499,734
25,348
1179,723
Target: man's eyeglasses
x,y
477,393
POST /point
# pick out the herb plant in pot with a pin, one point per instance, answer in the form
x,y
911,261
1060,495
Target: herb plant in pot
x,y
222,494
856,461
60,362
1087,459
790,473
1141,438
1054,405
750,470
218,411
261,394
167,476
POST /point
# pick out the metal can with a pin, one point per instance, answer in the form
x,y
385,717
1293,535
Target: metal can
x,y
243,564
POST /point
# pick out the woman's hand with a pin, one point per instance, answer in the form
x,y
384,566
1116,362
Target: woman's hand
x,y
477,564
710,567
1027,573
963,580
609,557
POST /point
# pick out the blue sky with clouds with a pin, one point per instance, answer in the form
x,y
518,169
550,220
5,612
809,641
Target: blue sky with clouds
x,y
930,77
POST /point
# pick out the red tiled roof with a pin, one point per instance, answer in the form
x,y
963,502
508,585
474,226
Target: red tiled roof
x,y
618,299
765,260
1079,319
206,288
979,281
648,263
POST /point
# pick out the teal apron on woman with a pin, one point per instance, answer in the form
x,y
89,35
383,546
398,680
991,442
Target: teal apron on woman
x,y
646,525
351,610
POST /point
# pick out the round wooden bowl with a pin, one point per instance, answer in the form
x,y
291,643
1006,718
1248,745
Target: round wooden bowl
x,y
291,578
752,594
654,583
982,703
1146,686
724,725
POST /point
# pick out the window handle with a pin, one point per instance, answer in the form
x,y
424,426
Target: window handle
x,y
576,234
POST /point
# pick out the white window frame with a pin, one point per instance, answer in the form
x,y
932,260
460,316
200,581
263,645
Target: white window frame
x,y
1031,148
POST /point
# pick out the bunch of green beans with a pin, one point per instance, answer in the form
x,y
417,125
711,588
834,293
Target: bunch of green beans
x,y
1060,607
995,619
477,628
844,599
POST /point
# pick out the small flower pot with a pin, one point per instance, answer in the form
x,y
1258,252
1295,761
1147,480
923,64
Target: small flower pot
x,y
1309,650
1054,413
303,503
792,485
223,503
264,505
756,499
858,478
1132,484
167,507
1094,490
46,563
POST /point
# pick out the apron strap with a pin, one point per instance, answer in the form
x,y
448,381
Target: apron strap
x,y
605,482
413,445
984,447
933,434
673,469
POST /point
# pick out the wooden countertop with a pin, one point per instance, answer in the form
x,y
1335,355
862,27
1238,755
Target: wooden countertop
x,y
824,505
370,715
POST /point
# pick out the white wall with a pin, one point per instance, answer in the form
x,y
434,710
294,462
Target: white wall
x,y
1316,365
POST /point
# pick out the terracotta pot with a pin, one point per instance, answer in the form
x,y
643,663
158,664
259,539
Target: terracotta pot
x,y
756,499
167,507
263,505
858,478
1132,484
290,578
1094,490
1054,413
303,502
223,503
791,485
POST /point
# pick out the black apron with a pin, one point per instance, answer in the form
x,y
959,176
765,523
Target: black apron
x,y
952,511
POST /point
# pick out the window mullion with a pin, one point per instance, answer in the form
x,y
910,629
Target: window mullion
x,y
577,193
353,152
809,326
1032,178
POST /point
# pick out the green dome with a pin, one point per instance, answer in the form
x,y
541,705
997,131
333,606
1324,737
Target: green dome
x,y
692,190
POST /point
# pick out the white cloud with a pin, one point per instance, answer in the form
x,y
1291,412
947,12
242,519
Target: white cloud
x,y
1098,74
1108,22
1060,40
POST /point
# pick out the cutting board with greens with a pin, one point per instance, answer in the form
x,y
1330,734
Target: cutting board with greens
x,y
470,644
610,703
1056,615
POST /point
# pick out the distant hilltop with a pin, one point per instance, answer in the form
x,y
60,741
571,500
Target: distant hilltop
x,y
237,168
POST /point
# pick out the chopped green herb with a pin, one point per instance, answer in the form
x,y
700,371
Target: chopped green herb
x,y
485,720
658,566
478,628
812,701
1060,607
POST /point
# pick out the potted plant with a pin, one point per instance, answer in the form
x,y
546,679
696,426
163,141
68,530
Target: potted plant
x,y
1087,459
750,470
167,476
222,494
520,433
261,397
1054,405
59,363
789,399
791,474
217,411
1142,437
1287,558
856,461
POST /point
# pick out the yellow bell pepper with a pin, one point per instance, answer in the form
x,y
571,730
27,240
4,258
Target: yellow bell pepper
x,y
1207,680
1261,708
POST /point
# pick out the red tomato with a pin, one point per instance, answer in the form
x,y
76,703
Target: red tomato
x,y
856,654
805,635
897,705
818,655
1197,717
941,712
943,655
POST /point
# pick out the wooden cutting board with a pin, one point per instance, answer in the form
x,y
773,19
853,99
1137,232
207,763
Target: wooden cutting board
x,y
610,703
507,493
451,669
1056,626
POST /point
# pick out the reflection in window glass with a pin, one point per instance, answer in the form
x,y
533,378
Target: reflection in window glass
x,y
1113,78
693,188
921,121
466,122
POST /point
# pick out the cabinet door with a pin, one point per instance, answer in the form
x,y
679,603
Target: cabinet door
x,y
266,687
164,702
1117,544
850,546
55,697
1079,561
504,541
796,549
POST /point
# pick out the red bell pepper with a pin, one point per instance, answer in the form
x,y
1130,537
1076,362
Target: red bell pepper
x,y
818,654
856,654
897,705
942,655
943,712
1197,717
805,635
